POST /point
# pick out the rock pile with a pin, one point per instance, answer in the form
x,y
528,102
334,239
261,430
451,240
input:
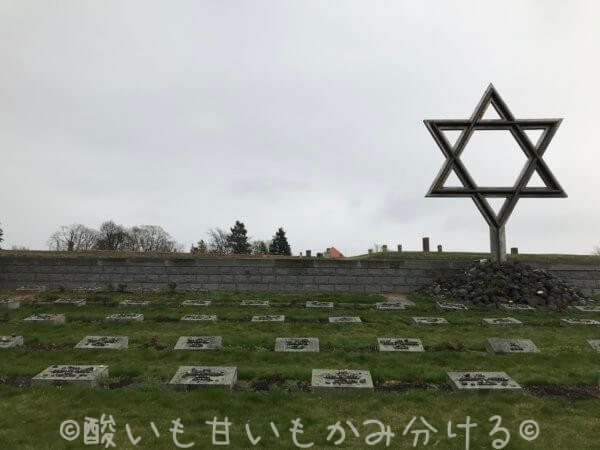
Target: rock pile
x,y
487,283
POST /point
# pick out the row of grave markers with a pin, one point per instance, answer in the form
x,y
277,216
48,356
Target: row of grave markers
x,y
390,304
322,380
294,344
56,319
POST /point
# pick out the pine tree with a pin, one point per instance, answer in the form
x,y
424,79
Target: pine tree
x,y
237,240
1,234
279,244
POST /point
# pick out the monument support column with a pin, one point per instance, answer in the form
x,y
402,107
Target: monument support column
x,y
498,244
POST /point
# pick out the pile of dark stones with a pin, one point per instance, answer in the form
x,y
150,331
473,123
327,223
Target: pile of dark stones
x,y
487,283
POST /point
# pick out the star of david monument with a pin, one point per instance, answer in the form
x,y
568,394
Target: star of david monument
x,y
480,194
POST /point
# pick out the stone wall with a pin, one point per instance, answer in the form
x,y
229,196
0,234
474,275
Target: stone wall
x,y
249,274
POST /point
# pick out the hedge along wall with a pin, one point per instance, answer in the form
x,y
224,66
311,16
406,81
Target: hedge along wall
x,y
248,274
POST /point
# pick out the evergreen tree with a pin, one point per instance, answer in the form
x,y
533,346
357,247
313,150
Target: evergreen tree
x,y
237,240
279,244
1,234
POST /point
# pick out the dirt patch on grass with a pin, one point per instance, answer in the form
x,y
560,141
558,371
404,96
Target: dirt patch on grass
x,y
571,392
264,384
16,381
400,386
119,382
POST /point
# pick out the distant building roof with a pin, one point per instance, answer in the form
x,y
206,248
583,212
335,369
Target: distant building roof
x,y
333,252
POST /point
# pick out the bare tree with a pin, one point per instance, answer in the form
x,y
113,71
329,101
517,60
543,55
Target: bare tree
x,y
151,238
217,241
259,247
113,237
75,237
596,251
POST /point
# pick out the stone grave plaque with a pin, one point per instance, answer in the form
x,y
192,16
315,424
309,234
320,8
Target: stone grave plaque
x,y
502,322
316,304
196,303
199,343
87,289
480,381
11,341
189,377
448,306
594,344
199,318
401,300
69,302
86,375
52,319
579,322
588,308
345,319
10,303
268,318
497,345
134,303
261,303
104,342
390,306
32,288
331,380
400,345
516,307
296,344
430,321
127,317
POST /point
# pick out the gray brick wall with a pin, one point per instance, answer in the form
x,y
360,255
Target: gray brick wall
x,y
247,274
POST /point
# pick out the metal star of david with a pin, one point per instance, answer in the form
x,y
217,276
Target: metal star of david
x,y
480,194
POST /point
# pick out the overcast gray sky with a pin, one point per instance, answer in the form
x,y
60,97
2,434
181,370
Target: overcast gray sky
x,y
301,114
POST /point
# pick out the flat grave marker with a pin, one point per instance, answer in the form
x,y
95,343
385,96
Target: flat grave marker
x,y
196,303
332,380
498,345
430,321
199,343
588,308
516,307
87,289
390,306
189,377
11,341
52,319
594,344
82,375
69,302
501,322
104,342
199,318
579,322
268,318
126,317
317,304
448,306
345,319
134,303
481,381
400,345
401,300
260,303
296,344
32,288
10,303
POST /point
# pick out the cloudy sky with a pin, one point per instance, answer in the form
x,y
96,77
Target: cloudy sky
x,y
301,114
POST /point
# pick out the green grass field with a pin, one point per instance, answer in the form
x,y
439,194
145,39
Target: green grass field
x,y
560,383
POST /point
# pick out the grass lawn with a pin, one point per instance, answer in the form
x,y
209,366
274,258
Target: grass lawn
x,y
560,383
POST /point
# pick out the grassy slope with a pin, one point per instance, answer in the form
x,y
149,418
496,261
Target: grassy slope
x,y
150,362
461,256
